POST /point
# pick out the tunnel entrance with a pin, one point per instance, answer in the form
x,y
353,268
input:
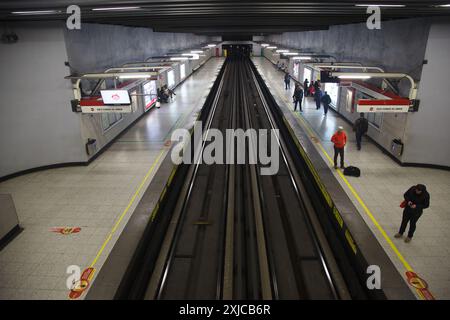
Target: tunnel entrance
x,y
237,50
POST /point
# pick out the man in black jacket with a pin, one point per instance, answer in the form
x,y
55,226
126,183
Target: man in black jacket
x,y
305,87
360,127
326,100
298,97
416,199
287,81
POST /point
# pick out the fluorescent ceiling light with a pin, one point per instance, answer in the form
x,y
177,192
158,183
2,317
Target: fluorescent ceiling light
x,y
179,58
115,8
197,51
290,53
36,12
211,45
301,58
381,5
265,45
353,77
282,51
271,47
443,5
193,56
135,76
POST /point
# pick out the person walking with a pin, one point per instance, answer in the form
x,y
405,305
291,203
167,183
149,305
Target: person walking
x,y
287,81
326,100
360,127
339,140
298,97
416,198
305,87
317,97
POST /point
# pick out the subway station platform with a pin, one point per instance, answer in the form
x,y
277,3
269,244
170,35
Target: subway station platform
x,y
98,199
379,191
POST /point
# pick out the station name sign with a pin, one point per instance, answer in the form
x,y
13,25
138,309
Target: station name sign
x,y
386,106
106,109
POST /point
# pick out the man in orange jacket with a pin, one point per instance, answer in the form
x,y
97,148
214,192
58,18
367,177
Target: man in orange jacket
x,y
339,139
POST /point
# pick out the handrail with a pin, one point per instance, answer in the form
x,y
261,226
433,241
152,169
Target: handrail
x,y
384,75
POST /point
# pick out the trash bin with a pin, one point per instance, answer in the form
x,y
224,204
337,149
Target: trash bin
x,y
397,147
91,146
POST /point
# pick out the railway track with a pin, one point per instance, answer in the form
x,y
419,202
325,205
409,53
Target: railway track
x,y
232,232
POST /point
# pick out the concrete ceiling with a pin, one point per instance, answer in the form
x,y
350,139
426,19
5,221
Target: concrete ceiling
x,y
217,17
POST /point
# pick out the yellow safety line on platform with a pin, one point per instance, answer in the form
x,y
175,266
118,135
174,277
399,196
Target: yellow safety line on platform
x,y
353,191
138,190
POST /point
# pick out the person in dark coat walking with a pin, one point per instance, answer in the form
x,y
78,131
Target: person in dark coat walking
x,y
317,97
298,97
417,198
287,81
326,100
360,127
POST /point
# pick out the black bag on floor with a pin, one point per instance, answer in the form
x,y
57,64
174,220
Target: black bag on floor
x,y
352,171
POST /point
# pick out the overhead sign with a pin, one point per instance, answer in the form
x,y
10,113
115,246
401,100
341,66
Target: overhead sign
x,y
115,97
325,77
387,106
106,109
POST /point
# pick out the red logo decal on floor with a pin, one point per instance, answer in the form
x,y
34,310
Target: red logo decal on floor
x,y
419,284
66,230
81,285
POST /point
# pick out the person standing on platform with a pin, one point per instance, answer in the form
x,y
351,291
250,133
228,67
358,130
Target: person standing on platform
x,y
416,198
305,87
298,97
360,127
311,90
339,139
326,100
287,81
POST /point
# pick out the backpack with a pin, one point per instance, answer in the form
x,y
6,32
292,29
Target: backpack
x,y
352,171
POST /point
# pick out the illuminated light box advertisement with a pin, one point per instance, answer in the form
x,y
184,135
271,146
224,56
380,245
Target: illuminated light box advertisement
x,y
170,78
115,97
296,67
182,71
150,94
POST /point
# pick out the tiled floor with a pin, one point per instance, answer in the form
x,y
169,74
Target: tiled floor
x,y
381,187
34,264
